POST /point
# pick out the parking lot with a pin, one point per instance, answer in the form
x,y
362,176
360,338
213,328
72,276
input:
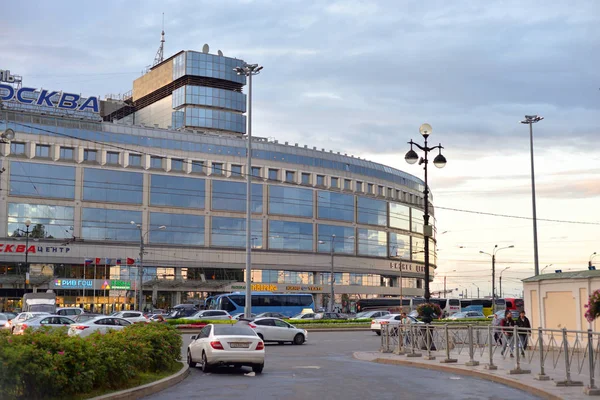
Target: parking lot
x,y
324,368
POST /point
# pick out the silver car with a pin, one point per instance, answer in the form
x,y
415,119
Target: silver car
x,y
277,330
210,315
24,316
52,321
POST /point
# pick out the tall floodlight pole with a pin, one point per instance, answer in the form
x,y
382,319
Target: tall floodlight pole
x,y
140,277
439,161
530,120
249,70
493,255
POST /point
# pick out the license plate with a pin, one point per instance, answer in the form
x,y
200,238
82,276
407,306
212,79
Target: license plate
x,y
239,345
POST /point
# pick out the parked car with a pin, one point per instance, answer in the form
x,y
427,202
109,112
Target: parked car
x,y
502,313
272,315
5,321
100,324
241,315
181,313
391,319
466,314
330,315
24,316
69,311
52,321
277,330
304,316
371,314
85,316
225,345
133,316
210,315
415,314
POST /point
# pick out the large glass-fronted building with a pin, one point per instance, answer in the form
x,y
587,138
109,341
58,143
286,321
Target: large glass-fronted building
x,y
94,189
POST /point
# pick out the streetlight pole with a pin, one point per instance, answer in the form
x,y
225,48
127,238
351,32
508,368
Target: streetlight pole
x,y
530,120
543,269
439,161
591,259
332,293
27,224
249,70
501,272
477,289
493,255
141,262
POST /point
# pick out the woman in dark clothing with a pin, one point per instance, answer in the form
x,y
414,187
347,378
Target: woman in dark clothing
x,y
524,329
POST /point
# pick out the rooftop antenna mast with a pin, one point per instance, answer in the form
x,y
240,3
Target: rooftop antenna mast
x,y
159,54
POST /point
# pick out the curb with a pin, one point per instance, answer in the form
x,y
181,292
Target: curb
x,y
471,373
147,389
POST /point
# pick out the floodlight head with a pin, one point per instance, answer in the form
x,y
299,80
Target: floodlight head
x,y
411,157
8,134
439,161
425,130
28,223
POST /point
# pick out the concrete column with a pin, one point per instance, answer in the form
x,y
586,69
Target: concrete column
x,y
54,152
124,159
154,295
102,157
166,163
30,149
78,154
145,161
176,299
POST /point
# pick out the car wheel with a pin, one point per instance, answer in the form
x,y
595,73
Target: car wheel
x,y
299,339
378,333
205,367
258,369
191,363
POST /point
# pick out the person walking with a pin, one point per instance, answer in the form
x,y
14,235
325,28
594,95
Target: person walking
x,y
507,325
405,328
497,330
524,330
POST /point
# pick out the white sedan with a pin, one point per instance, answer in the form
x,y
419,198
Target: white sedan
x,y
392,320
224,345
101,324
24,316
210,315
277,330
133,316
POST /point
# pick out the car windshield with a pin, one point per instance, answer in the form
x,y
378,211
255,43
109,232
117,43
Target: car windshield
x,y
237,330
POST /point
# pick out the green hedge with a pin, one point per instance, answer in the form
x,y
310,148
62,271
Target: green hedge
x,y
48,364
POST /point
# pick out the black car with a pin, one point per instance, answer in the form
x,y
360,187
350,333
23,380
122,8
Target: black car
x,y
181,313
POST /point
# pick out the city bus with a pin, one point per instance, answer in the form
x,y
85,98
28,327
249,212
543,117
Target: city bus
x,y
383,303
289,304
512,303
448,306
486,305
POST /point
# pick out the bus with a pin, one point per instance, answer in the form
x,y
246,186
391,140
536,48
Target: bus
x,y
486,305
448,306
464,303
383,303
512,303
289,304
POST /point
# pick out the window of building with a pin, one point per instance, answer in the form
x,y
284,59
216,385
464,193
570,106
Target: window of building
x,y
372,243
180,229
231,196
105,224
177,191
42,151
66,153
371,211
17,148
294,201
112,186
135,160
391,193
217,169
231,232
398,194
156,162
343,242
290,176
176,164
399,216
418,248
273,174
47,221
370,188
417,220
112,157
336,206
320,180
347,184
399,245
256,172
305,178
335,182
236,170
90,155
380,190
359,186
288,235
197,167
42,180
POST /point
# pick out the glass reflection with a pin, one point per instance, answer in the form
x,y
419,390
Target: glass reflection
x,y
344,239
335,206
102,224
176,191
231,232
290,201
399,245
288,235
180,229
47,221
418,249
112,186
372,243
41,180
231,196
399,216
417,220
371,211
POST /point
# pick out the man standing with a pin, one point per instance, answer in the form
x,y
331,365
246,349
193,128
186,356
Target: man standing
x,y
524,330
497,333
405,328
507,325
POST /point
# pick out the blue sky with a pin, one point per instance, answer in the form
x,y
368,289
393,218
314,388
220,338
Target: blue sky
x,y
360,77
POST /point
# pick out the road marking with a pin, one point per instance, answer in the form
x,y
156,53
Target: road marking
x,y
309,367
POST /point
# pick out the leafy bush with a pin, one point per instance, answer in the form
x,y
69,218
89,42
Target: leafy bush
x,y
48,364
593,306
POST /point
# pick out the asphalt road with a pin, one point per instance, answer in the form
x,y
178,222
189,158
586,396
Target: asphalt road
x,y
323,368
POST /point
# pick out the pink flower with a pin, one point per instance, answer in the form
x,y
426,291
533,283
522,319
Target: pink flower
x,y
61,353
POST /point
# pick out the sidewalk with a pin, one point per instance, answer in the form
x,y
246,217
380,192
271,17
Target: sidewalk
x,y
524,381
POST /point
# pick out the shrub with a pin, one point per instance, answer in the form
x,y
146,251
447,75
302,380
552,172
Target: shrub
x,y
593,306
46,364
